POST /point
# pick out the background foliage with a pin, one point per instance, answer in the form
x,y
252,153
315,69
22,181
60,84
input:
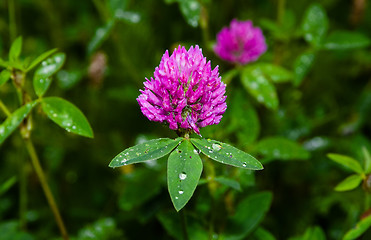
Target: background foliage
x,y
315,100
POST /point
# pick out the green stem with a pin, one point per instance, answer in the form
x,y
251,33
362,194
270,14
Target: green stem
x,y
22,193
183,224
12,23
204,24
4,109
210,175
367,201
281,11
49,196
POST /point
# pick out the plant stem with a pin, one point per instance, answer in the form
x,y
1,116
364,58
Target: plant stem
x,y
12,24
49,196
281,11
184,224
5,109
22,191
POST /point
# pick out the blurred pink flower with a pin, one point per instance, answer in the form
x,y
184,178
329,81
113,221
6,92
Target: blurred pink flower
x,y
240,42
184,92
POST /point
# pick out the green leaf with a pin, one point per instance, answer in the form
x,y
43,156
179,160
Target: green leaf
x,y
249,213
11,230
359,229
259,87
50,66
15,49
282,148
101,34
105,228
367,159
40,58
150,150
315,24
67,116
345,40
347,162
4,76
191,10
14,120
42,76
3,63
131,17
312,233
184,169
228,182
241,113
276,74
7,185
225,153
302,65
349,183
262,234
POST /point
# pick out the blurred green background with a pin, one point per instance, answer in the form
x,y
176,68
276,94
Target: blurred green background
x,y
112,45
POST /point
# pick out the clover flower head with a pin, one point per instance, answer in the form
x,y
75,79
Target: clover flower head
x,y
241,42
184,92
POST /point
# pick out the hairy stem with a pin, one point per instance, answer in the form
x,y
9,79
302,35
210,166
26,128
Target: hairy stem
x,y
48,194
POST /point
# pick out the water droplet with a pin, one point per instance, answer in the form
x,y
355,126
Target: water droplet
x,y
73,127
211,151
216,147
182,176
146,151
55,115
195,151
123,160
230,155
180,192
176,198
244,164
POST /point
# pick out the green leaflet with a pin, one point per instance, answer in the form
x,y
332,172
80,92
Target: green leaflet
x,y
226,154
183,173
151,150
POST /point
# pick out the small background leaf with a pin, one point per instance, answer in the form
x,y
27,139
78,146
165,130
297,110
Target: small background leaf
x,y
302,66
315,24
249,213
259,87
183,173
345,40
367,160
15,49
226,154
262,234
41,58
191,10
349,183
346,161
67,116
282,148
276,74
7,185
150,150
359,229
228,182
14,120
101,34
4,76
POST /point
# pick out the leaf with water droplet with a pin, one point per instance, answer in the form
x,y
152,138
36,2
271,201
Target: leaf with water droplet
x,y
315,24
41,58
151,150
41,79
227,154
14,120
257,84
183,174
67,116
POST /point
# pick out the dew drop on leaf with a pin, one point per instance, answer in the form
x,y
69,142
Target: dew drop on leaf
x,y
216,147
180,192
244,164
182,176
